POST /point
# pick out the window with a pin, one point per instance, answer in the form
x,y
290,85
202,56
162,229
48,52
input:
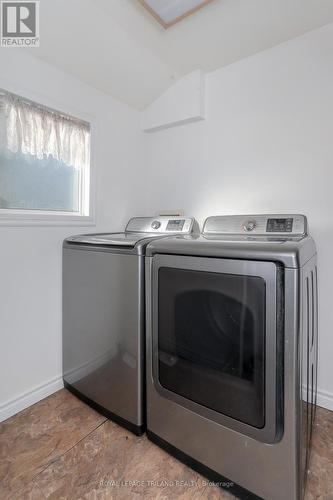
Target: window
x,y
44,161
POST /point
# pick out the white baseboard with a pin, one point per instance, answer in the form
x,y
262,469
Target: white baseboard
x,y
325,399
13,406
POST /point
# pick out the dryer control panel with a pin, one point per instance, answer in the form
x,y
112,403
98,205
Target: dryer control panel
x,y
257,225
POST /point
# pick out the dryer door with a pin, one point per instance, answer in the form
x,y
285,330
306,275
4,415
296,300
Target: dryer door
x,y
217,344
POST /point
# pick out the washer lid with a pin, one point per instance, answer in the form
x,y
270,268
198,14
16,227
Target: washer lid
x,y
138,229
129,243
110,239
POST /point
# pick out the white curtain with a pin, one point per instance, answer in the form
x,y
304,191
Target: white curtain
x,y
29,128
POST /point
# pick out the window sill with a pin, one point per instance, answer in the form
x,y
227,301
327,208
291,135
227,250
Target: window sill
x,y
39,218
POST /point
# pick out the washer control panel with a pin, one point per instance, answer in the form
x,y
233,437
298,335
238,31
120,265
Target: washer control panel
x,y
160,224
257,225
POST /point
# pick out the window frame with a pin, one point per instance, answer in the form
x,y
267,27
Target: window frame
x,y
87,214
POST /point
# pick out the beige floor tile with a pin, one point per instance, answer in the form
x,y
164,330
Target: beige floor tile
x,y
29,492
35,437
60,449
111,463
320,477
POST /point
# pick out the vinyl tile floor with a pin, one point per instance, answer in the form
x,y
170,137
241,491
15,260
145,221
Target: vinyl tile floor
x,y
60,448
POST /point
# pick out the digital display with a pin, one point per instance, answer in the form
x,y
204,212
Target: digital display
x,y
175,225
279,225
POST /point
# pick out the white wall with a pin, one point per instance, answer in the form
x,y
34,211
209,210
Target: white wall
x,y
30,257
266,146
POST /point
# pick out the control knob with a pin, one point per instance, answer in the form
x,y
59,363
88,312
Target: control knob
x,y
155,224
249,225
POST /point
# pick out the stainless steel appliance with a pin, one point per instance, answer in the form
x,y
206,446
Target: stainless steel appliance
x,y
231,346
103,316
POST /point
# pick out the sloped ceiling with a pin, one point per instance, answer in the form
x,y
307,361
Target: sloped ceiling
x,y
119,48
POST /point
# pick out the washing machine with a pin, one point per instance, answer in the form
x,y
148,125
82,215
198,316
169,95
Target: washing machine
x,y
232,351
103,316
